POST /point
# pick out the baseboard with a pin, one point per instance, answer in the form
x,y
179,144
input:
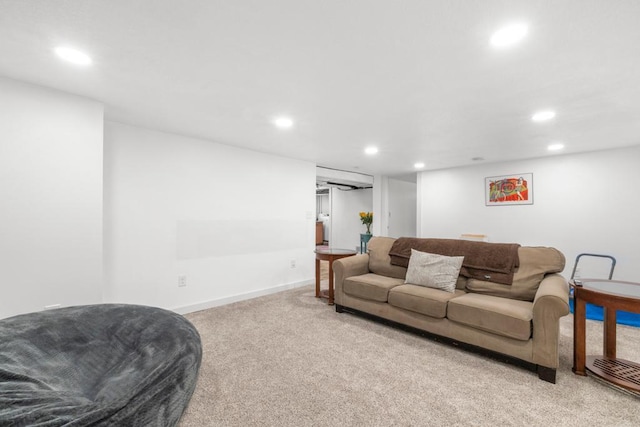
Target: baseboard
x,y
240,297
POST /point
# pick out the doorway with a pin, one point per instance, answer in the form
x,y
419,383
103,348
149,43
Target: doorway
x,y
340,196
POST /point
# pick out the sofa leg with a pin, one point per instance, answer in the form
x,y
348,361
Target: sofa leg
x,y
339,309
547,374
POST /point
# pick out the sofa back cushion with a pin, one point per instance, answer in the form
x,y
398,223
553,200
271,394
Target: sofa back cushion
x,y
379,259
535,263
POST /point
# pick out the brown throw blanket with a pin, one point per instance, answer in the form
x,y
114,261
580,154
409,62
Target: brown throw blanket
x,y
493,262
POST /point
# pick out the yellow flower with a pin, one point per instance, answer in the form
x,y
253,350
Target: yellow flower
x,y
367,219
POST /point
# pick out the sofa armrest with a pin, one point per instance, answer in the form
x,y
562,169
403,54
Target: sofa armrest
x,y
549,305
348,267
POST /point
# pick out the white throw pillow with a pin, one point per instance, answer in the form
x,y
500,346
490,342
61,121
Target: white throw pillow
x,y
433,271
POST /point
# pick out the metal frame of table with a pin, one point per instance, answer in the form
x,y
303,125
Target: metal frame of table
x,y
620,372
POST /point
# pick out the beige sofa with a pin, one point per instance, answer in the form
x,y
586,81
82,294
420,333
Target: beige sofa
x,y
517,323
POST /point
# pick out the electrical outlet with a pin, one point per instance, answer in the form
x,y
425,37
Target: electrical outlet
x,y
293,263
182,281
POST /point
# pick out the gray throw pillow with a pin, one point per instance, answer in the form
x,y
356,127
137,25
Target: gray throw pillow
x,y
433,271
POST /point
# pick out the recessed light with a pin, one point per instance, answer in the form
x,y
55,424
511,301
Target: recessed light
x,y
283,122
555,147
371,150
543,116
509,35
418,165
73,55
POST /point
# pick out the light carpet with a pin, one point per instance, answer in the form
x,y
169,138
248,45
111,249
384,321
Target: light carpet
x,y
288,359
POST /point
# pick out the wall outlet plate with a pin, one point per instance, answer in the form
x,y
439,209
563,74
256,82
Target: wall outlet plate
x,y
182,281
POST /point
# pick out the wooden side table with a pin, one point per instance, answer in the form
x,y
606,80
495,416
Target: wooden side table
x,y
612,295
330,255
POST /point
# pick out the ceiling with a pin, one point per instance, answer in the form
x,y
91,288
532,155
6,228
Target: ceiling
x,y
416,78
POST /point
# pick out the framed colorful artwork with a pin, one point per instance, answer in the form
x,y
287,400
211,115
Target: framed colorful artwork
x,y
516,189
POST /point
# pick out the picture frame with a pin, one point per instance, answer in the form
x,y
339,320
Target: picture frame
x,y
504,190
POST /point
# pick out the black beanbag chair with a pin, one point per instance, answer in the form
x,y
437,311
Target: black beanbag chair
x,y
107,364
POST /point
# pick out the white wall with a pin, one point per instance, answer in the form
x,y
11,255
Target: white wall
x,y
322,204
51,192
582,203
231,220
345,219
402,208
380,205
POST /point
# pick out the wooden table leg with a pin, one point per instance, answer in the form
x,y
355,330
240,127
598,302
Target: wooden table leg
x,y
330,281
579,336
609,340
317,278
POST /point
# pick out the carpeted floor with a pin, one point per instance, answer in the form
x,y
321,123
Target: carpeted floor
x,y
288,359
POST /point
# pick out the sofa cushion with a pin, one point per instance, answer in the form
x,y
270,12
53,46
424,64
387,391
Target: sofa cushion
x,y
507,317
461,283
423,300
535,262
379,259
433,271
370,286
